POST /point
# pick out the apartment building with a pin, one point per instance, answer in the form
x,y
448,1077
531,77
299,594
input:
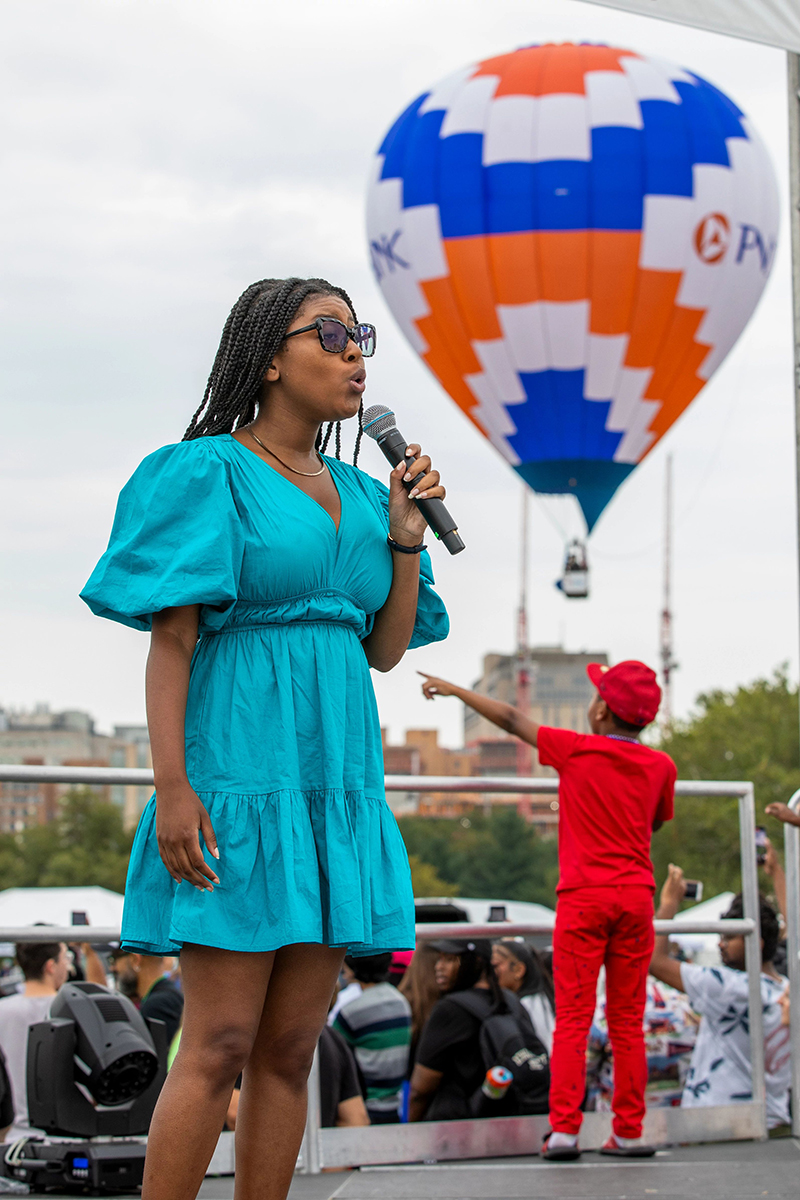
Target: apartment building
x,y
41,737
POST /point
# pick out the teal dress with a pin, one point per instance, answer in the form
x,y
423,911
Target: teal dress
x,y
283,742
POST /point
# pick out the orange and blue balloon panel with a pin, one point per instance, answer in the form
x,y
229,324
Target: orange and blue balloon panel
x,y
573,237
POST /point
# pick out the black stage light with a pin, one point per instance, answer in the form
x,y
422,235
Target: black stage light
x,y
95,1069
95,1066
75,1168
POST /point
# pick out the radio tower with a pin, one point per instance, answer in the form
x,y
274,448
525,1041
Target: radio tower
x,y
523,699
668,664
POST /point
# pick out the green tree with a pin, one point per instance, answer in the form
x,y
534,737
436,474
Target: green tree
x,y
85,845
747,734
426,882
11,865
489,855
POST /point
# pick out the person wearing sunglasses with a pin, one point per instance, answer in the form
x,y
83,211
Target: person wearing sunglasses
x,y
271,576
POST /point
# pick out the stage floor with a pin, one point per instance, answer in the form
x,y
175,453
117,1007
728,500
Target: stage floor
x,y
727,1171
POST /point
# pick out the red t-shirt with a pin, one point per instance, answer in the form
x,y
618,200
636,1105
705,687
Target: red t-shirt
x,y
610,793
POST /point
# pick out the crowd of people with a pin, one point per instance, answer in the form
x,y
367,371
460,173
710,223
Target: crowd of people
x,y
408,1035
695,1027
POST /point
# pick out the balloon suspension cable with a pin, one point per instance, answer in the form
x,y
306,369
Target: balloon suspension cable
x,y
668,664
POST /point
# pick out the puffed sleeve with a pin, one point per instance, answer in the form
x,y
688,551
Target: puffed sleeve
x,y
176,539
432,623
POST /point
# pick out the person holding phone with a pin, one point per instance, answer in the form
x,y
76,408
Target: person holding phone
x,y
613,792
720,1070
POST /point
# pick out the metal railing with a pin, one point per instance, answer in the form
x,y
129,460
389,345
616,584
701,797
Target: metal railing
x,y
103,935
503,1135
143,777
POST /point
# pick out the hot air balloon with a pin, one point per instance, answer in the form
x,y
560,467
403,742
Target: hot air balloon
x,y
572,237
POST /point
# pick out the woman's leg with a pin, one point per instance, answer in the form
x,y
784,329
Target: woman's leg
x,y
225,993
272,1108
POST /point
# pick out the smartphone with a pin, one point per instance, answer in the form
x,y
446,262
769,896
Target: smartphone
x,y
80,918
694,889
497,912
762,841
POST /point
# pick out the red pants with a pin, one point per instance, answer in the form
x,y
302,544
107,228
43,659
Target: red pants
x,y
596,925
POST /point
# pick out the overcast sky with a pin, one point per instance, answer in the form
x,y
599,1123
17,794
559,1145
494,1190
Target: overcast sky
x,y
162,154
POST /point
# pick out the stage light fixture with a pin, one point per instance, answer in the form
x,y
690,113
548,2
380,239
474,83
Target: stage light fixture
x,y
95,1068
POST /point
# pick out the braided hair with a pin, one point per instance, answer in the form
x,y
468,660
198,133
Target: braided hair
x,y
253,334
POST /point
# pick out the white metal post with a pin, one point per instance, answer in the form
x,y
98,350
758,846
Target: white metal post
x,y
791,842
310,1149
790,833
752,948
793,78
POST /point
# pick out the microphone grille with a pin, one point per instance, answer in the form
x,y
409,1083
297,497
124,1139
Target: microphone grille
x,y
377,419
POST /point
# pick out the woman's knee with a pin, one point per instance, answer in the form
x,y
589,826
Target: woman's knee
x,y
221,1055
287,1055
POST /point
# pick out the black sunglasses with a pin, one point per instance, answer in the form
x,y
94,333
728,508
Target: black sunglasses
x,y
334,335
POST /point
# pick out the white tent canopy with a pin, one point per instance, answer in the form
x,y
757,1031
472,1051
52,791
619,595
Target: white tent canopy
x,y
773,22
57,906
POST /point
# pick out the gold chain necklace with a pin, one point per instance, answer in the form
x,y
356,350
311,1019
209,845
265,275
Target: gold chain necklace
x,y
308,474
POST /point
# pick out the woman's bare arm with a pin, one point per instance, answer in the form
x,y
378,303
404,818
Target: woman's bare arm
x,y
774,869
424,1086
394,623
93,969
663,965
180,816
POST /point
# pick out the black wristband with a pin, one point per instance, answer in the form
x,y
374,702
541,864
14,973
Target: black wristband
x,y
406,549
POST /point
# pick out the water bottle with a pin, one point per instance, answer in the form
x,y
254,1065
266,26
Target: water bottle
x,y
497,1082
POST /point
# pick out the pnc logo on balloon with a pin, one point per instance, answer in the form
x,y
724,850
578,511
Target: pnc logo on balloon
x,y
712,237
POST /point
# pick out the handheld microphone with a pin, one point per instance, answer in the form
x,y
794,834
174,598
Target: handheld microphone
x,y
378,423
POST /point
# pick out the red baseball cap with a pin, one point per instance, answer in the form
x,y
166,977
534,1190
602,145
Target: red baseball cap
x,y
630,689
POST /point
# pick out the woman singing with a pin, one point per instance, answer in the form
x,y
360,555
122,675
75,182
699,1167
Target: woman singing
x,y
271,577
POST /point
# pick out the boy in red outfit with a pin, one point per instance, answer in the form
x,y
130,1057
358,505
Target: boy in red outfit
x,y
613,792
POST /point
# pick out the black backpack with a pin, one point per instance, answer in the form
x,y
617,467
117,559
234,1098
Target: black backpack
x,y
507,1039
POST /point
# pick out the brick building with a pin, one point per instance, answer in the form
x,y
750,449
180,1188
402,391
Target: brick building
x,y
421,754
69,739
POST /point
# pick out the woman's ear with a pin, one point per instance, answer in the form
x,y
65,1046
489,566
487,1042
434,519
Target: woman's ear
x,y
272,373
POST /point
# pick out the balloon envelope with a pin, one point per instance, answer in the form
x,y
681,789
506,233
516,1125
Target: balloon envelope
x,y
572,238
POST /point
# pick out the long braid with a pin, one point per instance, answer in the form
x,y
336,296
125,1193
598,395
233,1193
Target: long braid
x,y
360,433
338,439
252,336
327,437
